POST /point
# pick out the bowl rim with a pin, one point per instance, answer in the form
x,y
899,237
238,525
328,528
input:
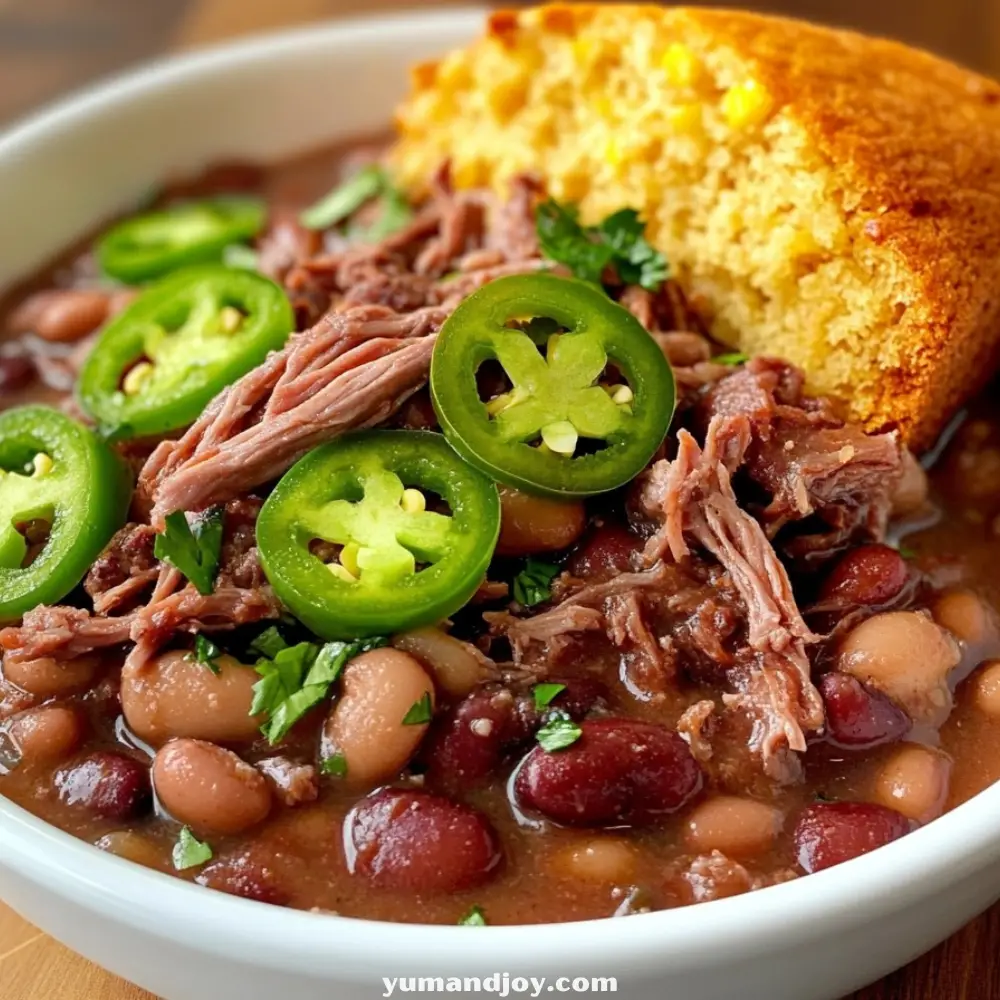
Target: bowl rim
x,y
953,847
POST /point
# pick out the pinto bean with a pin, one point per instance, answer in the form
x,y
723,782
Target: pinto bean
x,y
366,725
907,657
47,734
965,616
530,524
48,677
986,689
419,842
619,773
915,782
106,784
603,861
61,315
208,788
454,666
910,494
857,716
829,833
173,695
736,826
868,575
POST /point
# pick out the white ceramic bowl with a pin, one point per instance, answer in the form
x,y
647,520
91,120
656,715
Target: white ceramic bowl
x,y
813,939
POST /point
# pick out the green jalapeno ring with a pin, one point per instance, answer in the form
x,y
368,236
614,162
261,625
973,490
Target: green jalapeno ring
x,y
77,485
199,330
563,382
348,484
149,246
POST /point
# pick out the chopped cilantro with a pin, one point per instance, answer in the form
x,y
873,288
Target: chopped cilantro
x,y
269,643
194,548
206,653
420,711
345,199
558,733
394,214
534,583
189,851
241,256
297,678
734,359
335,766
544,693
618,241
474,918
906,552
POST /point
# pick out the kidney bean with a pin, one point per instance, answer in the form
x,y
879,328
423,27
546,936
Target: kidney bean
x,y
454,665
172,695
107,784
578,697
608,550
620,772
47,677
47,734
531,524
243,876
868,575
858,716
366,724
419,842
906,656
17,369
829,833
208,788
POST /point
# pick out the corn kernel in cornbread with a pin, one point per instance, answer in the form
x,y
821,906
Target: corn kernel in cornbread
x,y
831,198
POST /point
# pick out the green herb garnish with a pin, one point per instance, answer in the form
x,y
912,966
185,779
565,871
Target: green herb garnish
x,y
558,733
474,918
618,241
906,552
335,766
297,678
544,693
734,359
345,199
193,549
206,653
241,256
269,643
420,711
394,214
534,583
189,851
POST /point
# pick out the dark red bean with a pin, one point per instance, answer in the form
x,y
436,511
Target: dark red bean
x,y
859,716
16,368
580,695
419,842
619,773
829,833
867,575
243,876
107,784
607,551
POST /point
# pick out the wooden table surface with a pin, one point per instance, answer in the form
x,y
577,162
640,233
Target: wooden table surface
x,y
48,47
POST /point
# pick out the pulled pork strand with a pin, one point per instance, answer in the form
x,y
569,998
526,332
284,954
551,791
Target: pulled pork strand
x,y
694,496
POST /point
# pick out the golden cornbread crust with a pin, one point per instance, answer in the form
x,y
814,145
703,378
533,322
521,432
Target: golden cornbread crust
x,y
827,197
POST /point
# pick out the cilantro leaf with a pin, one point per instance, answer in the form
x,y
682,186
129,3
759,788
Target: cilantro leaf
x,y
297,678
241,256
619,241
734,359
269,643
345,199
906,552
545,693
534,583
189,851
335,766
420,711
558,733
194,548
206,653
474,918
394,214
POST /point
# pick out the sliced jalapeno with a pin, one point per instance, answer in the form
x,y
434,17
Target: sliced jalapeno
x,y
149,246
63,494
587,407
363,501
156,366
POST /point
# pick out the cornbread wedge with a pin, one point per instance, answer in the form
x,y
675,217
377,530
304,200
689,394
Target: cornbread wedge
x,y
825,197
